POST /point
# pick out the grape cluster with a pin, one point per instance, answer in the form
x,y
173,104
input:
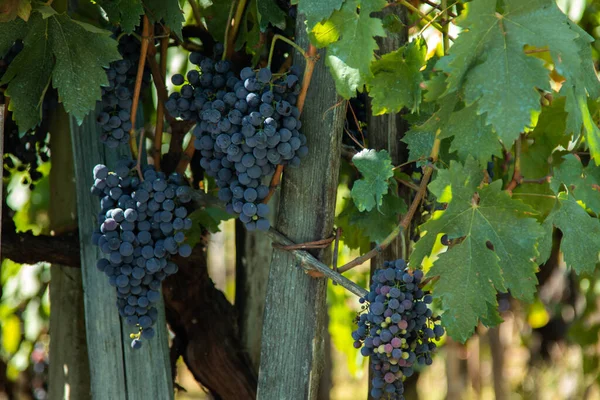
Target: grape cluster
x,y
397,330
245,128
117,97
142,224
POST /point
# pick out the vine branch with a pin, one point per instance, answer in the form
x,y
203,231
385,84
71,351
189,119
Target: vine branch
x,y
235,27
517,178
403,225
160,107
138,81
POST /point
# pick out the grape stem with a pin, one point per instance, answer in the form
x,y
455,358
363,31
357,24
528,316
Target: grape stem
x,y
196,12
138,166
274,183
225,39
517,178
186,157
404,223
235,27
138,82
288,41
160,107
424,16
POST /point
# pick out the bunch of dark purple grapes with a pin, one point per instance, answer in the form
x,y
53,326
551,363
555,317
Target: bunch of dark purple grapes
x,y
397,330
245,128
141,225
117,97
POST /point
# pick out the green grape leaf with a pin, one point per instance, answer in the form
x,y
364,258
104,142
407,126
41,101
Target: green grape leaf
x,y
11,32
216,14
249,35
397,78
269,13
349,37
123,12
536,151
166,11
376,168
317,11
434,87
352,236
488,63
487,257
11,9
420,138
207,218
582,183
472,135
71,53
580,243
377,224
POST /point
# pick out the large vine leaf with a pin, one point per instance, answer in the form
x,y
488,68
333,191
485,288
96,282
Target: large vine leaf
x,y
376,168
352,236
580,243
317,11
123,12
349,37
488,62
71,53
216,14
537,150
11,32
377,224
269,13
166,10
488,256
472,136
420,138
397,78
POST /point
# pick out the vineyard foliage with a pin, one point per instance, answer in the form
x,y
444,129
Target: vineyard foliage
x,y
507,118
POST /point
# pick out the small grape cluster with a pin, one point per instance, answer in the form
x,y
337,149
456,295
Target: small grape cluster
x,y
398,329
142,224
117,97
245,128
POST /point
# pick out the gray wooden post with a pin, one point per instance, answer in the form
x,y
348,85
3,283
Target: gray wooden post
x,y
69,370
117,371
294,324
